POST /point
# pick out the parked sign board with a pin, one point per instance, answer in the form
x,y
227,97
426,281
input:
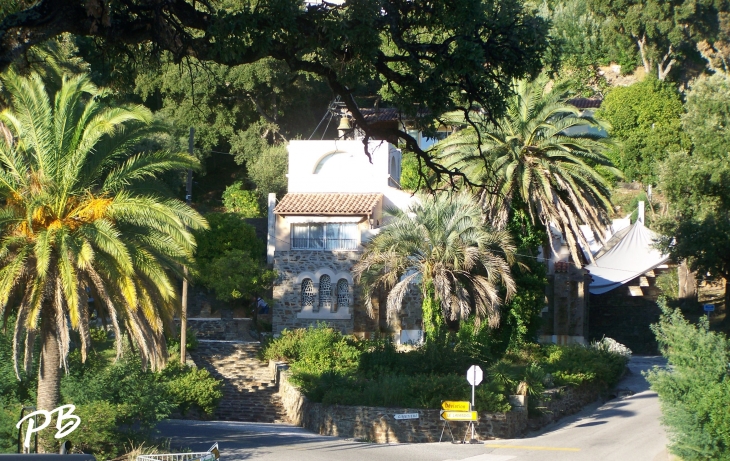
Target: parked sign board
x,y
709,307
406,416
454,405
459,415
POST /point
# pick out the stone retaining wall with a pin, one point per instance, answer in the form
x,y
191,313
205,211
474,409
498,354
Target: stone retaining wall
x,y
377,424
561,402
220,329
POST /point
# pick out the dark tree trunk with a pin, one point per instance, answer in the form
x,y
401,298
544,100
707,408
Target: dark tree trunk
x,y
727,294
687,285
49,374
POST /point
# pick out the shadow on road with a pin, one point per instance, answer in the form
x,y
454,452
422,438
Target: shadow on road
x,y
241,439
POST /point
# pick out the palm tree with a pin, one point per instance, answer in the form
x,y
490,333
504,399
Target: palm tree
x,y
542,153
82,215
441,243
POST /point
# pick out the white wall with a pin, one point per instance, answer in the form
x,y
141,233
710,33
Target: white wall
x,y
345,168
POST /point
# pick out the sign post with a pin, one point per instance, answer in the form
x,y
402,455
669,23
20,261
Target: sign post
x,y
474,376
709,308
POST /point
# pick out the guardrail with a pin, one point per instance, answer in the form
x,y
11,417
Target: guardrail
x,y
211,455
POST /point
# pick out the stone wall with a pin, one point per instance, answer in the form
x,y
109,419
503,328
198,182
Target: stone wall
x,y
377,424
563,401
411,314
287,290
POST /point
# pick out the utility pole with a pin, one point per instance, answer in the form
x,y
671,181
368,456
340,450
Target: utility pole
x,y
184,310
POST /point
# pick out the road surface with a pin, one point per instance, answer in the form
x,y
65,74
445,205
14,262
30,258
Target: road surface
x,y
623,429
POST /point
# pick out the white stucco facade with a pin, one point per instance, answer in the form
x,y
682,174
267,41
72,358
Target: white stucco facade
x,y
342,166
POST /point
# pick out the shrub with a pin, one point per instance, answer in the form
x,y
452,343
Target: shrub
x,y
9,413
613,346
574,365
314,351
243,202
333,369
695,393
190,387
668,282
99,431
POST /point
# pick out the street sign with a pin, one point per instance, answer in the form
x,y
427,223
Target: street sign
x,y
459,415
474,375
709,307
455,405
406,416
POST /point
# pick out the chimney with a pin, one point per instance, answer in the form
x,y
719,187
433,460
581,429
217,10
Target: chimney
x,y
640,218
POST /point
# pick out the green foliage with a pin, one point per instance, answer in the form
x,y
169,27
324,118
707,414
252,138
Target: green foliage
x,y
577,33
668,282
221,101
236,275
441,242
228,232
100,430
189,387
579,364
314,350
121,402
191,342
540,155
695,393
333,369
410,179
231,258
645,120
697,184
433,320
262,149
85,204
247,203
707,116
656,32
139,394
9,416
521,315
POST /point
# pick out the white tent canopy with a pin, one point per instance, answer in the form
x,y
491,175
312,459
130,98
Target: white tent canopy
x,y
632,256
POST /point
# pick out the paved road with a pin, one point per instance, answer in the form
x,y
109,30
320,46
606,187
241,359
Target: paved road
x,y
623,429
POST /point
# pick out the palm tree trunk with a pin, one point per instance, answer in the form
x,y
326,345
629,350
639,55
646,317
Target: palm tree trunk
x,y
49,374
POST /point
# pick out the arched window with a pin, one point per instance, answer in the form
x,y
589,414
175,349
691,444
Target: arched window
x,y
307,293
325,292
343,294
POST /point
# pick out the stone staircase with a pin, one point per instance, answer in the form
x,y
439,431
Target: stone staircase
x,y
249,385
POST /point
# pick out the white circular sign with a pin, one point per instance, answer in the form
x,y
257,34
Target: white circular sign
x,y
474,375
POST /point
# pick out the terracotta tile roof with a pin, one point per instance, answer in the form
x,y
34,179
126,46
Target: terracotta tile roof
x,y
328,204
586,103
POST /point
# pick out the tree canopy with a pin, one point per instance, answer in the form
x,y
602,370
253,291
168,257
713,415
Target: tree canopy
x,y
661,32
697,184
83,217
645,121
542,155
440,243
440,56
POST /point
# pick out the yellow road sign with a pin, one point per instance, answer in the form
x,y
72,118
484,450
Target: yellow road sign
x,y
453,405
459,415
